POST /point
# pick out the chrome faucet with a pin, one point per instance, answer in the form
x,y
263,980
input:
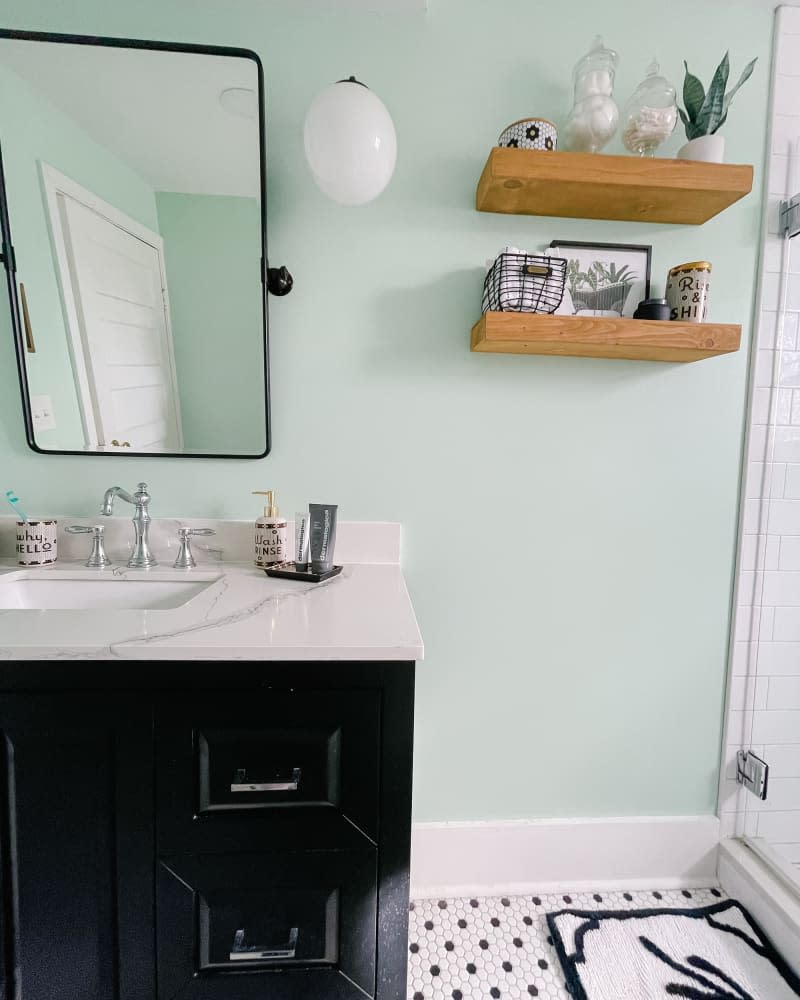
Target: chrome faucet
x,y
141,557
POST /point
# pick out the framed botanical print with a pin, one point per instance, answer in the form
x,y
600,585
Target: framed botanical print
x,y
603,279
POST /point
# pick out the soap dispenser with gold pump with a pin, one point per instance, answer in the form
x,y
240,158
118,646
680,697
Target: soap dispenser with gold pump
x,y
270,545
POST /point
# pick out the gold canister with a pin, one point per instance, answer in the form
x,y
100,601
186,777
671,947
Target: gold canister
x,y
687,291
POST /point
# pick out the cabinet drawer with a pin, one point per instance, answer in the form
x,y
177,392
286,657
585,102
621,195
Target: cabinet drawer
x,y
268,770
229,925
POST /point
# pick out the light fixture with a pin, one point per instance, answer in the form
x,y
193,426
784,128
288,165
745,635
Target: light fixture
x,y
350,141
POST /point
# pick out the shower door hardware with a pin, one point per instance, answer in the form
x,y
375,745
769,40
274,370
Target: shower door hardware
x,y
753,773
789,216
241,783
244,952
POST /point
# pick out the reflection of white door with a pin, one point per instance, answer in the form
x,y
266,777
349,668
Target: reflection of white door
x,y
114,285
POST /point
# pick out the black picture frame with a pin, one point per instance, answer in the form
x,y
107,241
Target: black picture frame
x,y
8,260
643,248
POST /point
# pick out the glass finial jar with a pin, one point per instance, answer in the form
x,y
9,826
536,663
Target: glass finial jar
x,y
594,116
650,115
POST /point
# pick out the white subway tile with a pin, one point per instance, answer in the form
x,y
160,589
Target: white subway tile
x,y
785,100
781,588
757,444
779,827
784,517
789,362
768,324
753,624
789,852
751,516
740,725
749,692
784,762
787,443
787,62
740,658
777,659
791,489
789,553
772,552
784,693
788,21
776,727
783,795
786,627
794,416
779,186
758,552
766,399
732,797
770,300
760,405
772,210
785,128
793,292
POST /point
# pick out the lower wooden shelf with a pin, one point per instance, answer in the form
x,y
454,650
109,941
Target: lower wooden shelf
x,y
602,337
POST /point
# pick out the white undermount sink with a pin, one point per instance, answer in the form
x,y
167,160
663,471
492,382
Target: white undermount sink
x,y
27,591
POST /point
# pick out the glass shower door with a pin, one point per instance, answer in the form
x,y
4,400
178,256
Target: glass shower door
x,y
771,821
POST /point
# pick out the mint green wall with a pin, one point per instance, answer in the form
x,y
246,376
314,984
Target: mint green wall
x,y
32,130
212,250
569,524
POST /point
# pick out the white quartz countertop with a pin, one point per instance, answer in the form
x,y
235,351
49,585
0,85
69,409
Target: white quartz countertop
x,y
363,614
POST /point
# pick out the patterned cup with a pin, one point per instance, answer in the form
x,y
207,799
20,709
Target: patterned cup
x,y
37,542
530,133
687,291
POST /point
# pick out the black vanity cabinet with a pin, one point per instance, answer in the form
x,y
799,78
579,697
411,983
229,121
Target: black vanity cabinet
x,y
208,831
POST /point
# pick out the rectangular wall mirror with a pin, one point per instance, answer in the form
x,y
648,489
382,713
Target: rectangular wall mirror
x,y
132,194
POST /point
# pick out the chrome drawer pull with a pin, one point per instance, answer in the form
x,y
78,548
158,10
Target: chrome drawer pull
x,y
241,784
244,952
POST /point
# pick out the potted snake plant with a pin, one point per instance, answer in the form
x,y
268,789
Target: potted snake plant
x,y
706,112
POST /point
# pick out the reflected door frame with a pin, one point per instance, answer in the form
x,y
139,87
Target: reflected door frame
x,y
54,185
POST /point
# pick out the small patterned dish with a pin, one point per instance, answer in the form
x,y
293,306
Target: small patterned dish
x,y
530,133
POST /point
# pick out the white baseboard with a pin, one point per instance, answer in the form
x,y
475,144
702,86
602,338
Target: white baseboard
x,y
774,905
521,856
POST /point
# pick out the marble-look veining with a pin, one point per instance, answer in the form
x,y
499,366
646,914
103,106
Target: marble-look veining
x,y
363,614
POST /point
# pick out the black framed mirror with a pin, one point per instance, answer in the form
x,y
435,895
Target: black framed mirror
x,y
133,224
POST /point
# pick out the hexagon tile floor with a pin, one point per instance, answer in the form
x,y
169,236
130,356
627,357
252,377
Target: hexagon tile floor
x,y
498,947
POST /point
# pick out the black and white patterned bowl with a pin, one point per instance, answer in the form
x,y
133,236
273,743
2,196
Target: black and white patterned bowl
x,y
530,133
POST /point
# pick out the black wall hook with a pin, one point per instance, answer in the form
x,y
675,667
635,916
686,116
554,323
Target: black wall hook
x,y
279,281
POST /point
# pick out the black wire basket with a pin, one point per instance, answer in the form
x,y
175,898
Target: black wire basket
x,y
524,282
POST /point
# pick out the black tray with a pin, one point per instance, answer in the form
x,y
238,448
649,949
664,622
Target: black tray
x,y
287,571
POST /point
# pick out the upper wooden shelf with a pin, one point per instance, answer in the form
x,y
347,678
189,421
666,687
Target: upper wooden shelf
x,y
603,337
595,186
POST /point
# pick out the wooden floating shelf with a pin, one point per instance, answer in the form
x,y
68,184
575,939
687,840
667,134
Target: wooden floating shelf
x,y
601,337
595,186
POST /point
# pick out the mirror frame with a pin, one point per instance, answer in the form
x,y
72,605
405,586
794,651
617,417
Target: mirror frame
x,y
8,260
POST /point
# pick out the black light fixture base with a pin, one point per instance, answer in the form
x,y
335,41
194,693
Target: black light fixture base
x,y
279,281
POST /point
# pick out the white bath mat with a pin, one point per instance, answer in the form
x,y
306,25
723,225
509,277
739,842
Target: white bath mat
x,y
712,953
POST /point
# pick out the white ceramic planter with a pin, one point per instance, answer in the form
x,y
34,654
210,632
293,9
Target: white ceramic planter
x,y
708,148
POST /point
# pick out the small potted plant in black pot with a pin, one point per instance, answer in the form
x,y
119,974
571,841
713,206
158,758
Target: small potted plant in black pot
x,y
705,113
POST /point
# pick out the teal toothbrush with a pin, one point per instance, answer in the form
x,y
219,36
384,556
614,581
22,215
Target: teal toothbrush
x,y
13,502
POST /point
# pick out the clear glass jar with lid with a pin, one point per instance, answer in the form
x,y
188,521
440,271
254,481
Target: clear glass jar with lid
x,y
594,116
650,116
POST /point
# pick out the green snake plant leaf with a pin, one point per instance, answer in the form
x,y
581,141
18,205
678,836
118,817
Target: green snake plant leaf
x,y
747,72
685,121
721,122
693,93
713,106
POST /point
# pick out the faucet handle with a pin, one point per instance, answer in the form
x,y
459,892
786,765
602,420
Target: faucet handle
x,y
97,558
186,558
